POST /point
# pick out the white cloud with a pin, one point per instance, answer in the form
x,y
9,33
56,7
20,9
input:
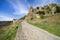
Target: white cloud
x,y
27,3
5,18
18,6
36,3
42,2
21,6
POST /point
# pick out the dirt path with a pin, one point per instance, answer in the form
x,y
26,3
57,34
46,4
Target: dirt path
x,y
29,32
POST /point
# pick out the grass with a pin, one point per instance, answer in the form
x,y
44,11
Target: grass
x,y
52,28
10,32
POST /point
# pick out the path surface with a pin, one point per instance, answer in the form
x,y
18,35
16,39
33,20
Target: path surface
x,y
29,32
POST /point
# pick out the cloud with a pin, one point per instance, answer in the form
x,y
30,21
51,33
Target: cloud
x,y
5,18
22,6
19,6
42,2
36,3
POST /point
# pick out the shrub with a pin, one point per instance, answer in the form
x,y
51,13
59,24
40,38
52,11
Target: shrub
x,y
37,7
31,18
41,13
42,16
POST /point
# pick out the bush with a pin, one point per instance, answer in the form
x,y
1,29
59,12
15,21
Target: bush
x,y
31,18
42,16
41,13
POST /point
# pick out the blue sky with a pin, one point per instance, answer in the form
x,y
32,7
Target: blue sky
x,y
14,9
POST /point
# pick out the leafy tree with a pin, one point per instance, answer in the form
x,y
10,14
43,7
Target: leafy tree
x,y
37,7
42,16
31,18
57,9
52,5
47,9
41,12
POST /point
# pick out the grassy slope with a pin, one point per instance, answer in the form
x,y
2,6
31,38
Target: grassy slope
x,y
51,24
8,33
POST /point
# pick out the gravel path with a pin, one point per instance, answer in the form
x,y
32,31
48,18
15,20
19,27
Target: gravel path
x,y
29,32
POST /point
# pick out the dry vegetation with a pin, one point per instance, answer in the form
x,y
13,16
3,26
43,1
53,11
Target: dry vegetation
x,y
9,32
49,18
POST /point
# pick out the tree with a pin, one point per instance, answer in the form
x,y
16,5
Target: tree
x,y
41,13
37,7
53,8
57,9
47,9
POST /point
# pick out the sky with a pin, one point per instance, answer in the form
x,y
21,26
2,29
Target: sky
x,y
15,9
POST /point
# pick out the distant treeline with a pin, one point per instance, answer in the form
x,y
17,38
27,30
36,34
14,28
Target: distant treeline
x,y
5,23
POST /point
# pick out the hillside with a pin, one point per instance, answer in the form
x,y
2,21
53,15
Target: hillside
x,y
49,13
5,23
43,12
8,29
47,18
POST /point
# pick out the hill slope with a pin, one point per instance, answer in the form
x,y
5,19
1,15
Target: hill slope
x,y
47,18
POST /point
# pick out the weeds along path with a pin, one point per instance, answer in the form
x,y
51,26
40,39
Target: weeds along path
x,y
30,32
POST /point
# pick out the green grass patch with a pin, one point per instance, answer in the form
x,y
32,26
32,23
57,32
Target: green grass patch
x,y
10,32
42,16
54,29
